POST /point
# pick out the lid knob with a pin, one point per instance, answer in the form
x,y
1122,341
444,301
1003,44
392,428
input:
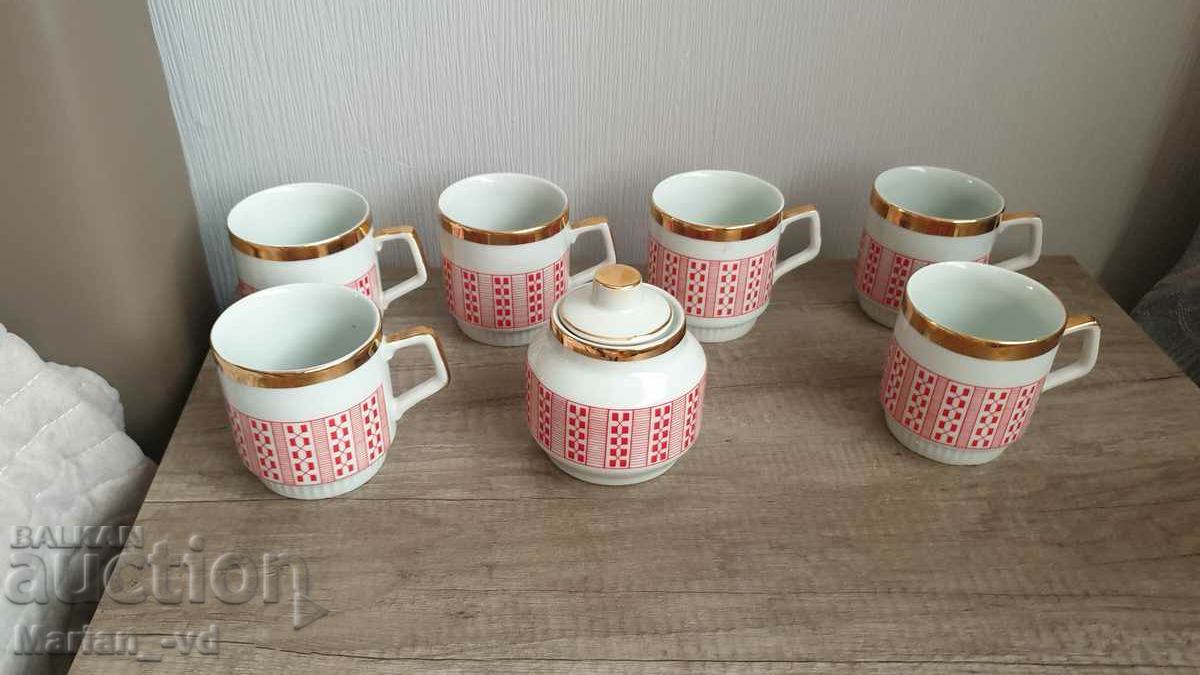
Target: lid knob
x,y
616,287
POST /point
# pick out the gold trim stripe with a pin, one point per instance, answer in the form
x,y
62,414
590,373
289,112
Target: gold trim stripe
x,y
714,232
615,353
499,238
977,347
942,227
308,251
1077,321
288,379
618,277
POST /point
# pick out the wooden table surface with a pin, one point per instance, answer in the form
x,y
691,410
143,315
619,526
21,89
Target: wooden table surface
x,y
796,534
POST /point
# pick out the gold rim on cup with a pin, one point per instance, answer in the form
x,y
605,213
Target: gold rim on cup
x,y
981,348
724,233
288,379
942,227
316,249
510,238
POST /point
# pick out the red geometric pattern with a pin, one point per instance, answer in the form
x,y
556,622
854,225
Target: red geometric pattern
x,y
317,451
558,275
612,438
696,288
951,413
447,283
468,286
727,282
374,432
964,416
503,301
920,395
1026,399
368,284
620,438
693,403
712,288
881,273
302,452
577,433
535,293
262,438
544,418
893,373
664,273
660,434
239,439
341,444
754,284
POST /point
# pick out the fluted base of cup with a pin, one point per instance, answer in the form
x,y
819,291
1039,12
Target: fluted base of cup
x,y
880,314
327,490
500,338
721,333
938,452
596,476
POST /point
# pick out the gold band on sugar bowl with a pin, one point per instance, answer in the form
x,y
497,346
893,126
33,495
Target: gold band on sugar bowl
x,y
287,379
308,251
980,348
942,227
722,233
615,353
504,238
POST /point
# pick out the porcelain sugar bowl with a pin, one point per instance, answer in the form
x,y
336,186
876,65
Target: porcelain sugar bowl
x,y
614,387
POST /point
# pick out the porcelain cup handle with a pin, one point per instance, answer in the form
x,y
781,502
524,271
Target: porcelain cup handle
x,y
1034,221
424,336
1077,323
598,224
409,236
807,212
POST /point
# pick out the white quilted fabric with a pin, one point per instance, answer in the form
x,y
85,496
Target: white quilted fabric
x,y
64,461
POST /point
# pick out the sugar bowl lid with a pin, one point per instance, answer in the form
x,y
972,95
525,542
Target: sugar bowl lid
x,y
618,318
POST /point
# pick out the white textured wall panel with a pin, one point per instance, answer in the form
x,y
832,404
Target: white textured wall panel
x,y
1059,104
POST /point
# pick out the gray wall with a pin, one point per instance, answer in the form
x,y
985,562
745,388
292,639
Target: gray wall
x,y
1063,105
100,261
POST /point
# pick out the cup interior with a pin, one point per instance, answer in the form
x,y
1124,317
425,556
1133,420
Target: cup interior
x,y
986,302
939,193
297,214
717,198
503,202
295,327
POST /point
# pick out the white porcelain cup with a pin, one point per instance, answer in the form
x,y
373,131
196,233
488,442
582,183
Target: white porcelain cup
x,y
308,232
970,353
715,244
506,250
304,370
926,214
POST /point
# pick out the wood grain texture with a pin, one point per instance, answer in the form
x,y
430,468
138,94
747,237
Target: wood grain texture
x,y
797,534
1061,105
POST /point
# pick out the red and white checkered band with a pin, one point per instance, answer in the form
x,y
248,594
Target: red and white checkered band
x,y
313,452
712,288
881,273
963,416
612,438
503,301
368,284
